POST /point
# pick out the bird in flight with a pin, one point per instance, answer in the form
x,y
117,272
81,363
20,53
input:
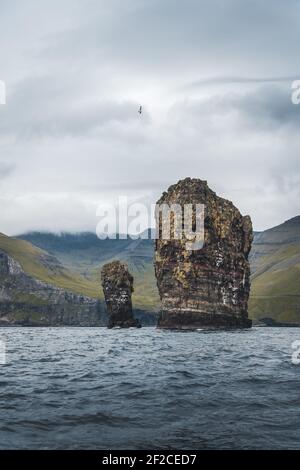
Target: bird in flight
x,y
140,109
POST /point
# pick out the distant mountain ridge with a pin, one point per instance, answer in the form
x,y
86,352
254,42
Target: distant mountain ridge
x,y
36,289
275,265
274,259
271,240
85,254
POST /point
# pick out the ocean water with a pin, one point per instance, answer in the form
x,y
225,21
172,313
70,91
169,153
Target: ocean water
x,y
89,388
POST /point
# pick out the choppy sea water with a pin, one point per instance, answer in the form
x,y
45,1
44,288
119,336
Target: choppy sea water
x,y
89,388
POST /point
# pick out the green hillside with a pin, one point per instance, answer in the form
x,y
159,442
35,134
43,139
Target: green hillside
x,y
45,267
268,242
275,266
274,259
85,254
138,254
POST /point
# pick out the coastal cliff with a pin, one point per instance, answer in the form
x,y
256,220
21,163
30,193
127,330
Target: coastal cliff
x,y
117,285
274,260
207,287
27,301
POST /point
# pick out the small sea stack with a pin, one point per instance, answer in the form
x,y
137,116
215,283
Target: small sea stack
x,y
205,287
117,285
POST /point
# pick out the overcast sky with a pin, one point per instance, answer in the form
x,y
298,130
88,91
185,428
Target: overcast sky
x,y
214,78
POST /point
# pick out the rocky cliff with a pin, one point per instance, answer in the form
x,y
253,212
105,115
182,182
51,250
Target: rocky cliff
x,y
274,260
27,301
117,285
208,287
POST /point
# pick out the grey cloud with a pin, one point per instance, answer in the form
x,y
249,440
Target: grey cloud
x,y
77,70
270,107
45,107
159,38
262,108
238,80
6,170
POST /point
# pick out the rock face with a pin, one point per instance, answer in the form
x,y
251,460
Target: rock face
x,y
117,285
26,301
208,287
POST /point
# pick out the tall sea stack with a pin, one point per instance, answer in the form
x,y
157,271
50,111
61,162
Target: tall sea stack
x,y
117,285
207,287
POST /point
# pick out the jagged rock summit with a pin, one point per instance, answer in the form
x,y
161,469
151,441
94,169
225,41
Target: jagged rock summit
x,y
208,287
117,285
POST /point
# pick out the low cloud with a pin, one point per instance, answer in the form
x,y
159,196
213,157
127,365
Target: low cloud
x,y
6,170
230,80
77,72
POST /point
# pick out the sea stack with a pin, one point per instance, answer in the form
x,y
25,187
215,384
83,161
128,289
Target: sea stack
x,y
207,287
117,285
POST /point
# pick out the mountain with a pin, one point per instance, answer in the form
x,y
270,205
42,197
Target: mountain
x,y
275,264
85,254
268,242
36,290
39,264
274,258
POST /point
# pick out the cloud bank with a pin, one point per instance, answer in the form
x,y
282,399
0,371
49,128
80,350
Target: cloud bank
x,y
214,78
